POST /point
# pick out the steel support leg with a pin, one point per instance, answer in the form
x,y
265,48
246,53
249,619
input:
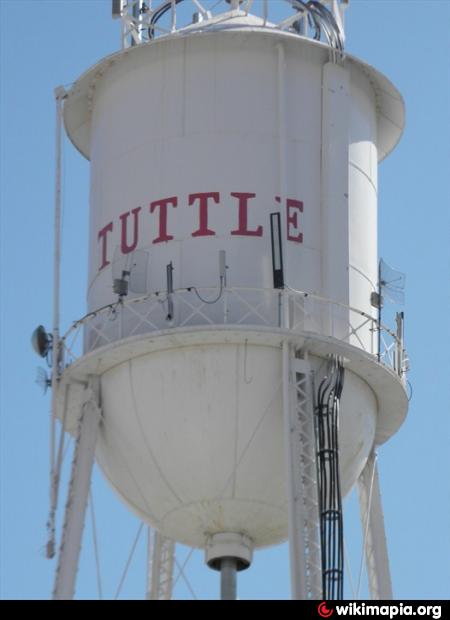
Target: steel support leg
x,y
228,579
161,560
80,481
303,505
376,552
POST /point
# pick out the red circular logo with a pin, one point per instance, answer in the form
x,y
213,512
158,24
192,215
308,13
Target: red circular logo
x,y
324,611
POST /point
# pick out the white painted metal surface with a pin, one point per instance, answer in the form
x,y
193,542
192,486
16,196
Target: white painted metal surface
x,y
229,545
218,464
194,141
386,385
187,148
335,241
78,492
372,520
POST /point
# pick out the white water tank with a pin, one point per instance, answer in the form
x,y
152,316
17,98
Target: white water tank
x,y
194,141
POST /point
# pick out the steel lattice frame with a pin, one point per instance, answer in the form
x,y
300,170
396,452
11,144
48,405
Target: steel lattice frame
x,y
161,561
304,538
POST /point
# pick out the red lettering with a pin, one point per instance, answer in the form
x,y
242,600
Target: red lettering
x,y
203,230
162,204
125,248
102,236
243,216
293,208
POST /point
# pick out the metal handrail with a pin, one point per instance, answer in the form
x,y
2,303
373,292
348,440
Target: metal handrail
x,y
201,309
140,23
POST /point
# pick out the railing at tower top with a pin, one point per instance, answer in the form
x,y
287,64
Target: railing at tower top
x,y
144,20
298,312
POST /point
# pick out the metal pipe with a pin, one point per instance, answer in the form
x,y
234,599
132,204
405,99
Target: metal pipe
x,y
228,579
282,150
380,306
399,318
60,95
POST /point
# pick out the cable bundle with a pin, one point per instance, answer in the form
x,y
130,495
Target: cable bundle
x,y
330,499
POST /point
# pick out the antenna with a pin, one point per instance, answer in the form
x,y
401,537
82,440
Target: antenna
x,y
391,286
139,272
392,283
169,275
223,267
42,379
41,341
277,250
130,272
117,9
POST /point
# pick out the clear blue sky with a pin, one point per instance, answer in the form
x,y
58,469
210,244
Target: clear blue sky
x,y
47,43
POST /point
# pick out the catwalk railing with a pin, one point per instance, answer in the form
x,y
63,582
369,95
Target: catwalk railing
x,y
144,21
301,313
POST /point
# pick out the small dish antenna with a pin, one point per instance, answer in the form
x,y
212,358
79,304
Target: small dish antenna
x,y
41,341
392,284
130,272
42,379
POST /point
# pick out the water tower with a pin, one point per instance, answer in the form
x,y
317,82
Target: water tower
x,y
235,378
